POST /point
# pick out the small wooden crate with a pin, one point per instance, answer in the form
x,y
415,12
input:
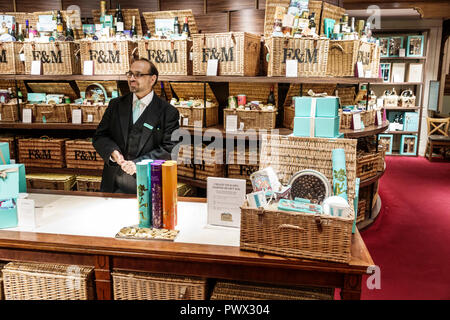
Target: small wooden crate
x,y
50,181
10,62
110,57
238,53
42,152
242,165
150,286
58,58
80,154
312,56
367,165
194,116
12,145
8,112
211,162
39,281
127,17
50,113
88,183
343,56
274,231
229,290
89,113
252,119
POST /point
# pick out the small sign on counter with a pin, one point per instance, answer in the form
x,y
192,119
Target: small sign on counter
x,y
225,197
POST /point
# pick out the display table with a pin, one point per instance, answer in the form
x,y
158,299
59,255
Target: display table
x,y
80,230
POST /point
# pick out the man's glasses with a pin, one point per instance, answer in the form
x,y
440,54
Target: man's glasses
x,y
136,75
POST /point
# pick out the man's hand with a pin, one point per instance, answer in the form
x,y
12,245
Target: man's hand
x,y
129,167
117,157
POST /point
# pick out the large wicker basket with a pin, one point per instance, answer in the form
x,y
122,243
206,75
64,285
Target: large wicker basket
x,y
51,113
110,57
10,62
252,119
88,183
42,152
57,58
238,53
80,154
254,91
343,56
312,56
330,11
367,165
228,290
210,162
296,234
196,115
50,181
148,286
39,281
8,112
89,113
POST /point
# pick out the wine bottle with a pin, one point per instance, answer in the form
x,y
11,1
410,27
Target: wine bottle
x,y
120,21
20,34
133,28
186,32
312,22
19,96
176,27
271,97
163,93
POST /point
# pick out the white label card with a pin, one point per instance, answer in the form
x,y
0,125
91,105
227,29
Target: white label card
x,y
76,116
241,126
212,67
291,68
232,121
185,121
25,213
22,56
357,121
90,118
27,116
88,68
119,26
379,118
402,52
36,67
360,69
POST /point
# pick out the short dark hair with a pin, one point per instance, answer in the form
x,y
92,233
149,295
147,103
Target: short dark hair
x,y
153,70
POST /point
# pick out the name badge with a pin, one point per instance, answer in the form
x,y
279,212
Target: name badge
x,y
148,126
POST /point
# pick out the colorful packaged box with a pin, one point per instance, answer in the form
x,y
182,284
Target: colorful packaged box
x,y
169,194
316,127
143,180
411,122
156,188
12,182
327,107
4,153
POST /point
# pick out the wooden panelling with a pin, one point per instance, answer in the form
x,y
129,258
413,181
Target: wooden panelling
x,y
35,6
262,4
195,5
212,22
142,5
6,6
229,5
86,6
250,20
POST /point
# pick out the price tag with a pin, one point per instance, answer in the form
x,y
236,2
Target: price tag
x,y
402,52
241,126
379,119
213,64
27,116
26,214
119,26
185,121
357,121
76,116
88,68
22,56
90,118
360,69
291,68
36,67
232,121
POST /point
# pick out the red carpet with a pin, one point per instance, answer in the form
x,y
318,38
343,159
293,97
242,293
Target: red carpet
x,y
410,240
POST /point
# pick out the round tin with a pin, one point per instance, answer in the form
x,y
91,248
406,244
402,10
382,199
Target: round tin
x,y
241,99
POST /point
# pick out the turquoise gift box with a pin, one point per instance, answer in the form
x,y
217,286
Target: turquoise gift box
x,y
327,107
12,182
4,153
323,127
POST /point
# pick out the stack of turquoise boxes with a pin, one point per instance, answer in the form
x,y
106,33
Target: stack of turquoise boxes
x,y
316,117
12,182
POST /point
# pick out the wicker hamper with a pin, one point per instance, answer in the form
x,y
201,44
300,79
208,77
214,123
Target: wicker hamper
x,y
8,112
89,113
367,164
210,162
127,17
367,117
238,53
10,62
242,165
312,56
57,58
42,152
88,183
361,216
50,181
80,154
195,116
110,57
330,11
50,113
252,119
296,234
149,286
228,290
39,281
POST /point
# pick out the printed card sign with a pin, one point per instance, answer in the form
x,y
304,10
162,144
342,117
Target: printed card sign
x,y
213,64
76,116
291,68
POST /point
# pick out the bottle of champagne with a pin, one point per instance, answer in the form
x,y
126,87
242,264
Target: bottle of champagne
x,y
19,96
120,21
69,32
163,92
271,97
176,27
312,22
13,31
20,34
27,28
59,24
186,31
133,28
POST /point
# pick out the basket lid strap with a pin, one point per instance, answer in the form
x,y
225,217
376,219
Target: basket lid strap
x,y
338,46
290,226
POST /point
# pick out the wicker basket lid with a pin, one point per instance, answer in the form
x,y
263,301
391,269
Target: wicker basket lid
x,y
54,88
51,176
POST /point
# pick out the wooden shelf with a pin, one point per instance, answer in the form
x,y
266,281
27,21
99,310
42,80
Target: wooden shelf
x,y
369,181
236,134
48,126
396,83
260,79
368,131
401,132
84,172
401,108
403,58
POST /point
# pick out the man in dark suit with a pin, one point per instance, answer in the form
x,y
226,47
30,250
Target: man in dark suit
x,y
135,127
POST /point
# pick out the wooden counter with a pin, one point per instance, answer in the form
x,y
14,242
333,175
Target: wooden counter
x,y
205,260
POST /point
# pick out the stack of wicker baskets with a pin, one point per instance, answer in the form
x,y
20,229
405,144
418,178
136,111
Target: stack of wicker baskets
x,y
200,162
